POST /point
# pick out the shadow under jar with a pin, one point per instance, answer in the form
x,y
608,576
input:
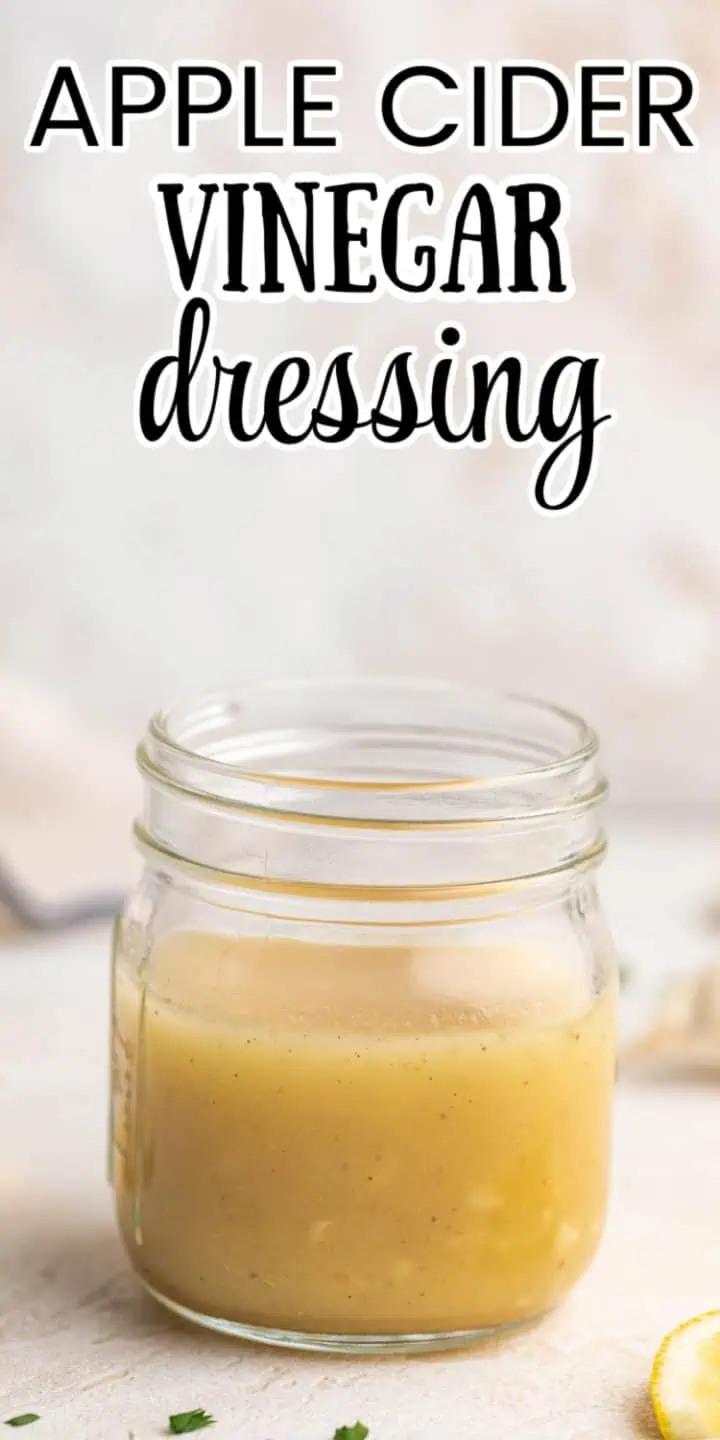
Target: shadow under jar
x,y
364,1015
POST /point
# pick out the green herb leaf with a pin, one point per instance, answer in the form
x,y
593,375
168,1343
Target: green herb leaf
x,y
19,1420
189,1420
358,1431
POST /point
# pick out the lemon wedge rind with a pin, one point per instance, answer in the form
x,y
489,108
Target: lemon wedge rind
x,y
685,1383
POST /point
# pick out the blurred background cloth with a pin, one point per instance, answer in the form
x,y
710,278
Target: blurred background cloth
x,y
68,794
129,575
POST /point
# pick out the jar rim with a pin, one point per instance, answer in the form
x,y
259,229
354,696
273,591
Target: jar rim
x,y
183,732
376,783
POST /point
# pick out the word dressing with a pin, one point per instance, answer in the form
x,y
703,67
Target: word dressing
x,y
188,390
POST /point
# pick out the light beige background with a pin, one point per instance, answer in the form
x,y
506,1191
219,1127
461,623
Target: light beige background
x,y
126,575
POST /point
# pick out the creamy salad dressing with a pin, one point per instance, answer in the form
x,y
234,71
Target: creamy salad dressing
x,y
361,1139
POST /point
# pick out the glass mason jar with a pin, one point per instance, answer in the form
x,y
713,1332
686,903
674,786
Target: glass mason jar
x,y
364,1015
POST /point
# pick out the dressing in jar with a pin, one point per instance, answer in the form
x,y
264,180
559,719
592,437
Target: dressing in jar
x,y
364,1015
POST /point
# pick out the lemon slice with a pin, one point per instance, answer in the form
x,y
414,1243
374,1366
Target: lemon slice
x,y
685,1380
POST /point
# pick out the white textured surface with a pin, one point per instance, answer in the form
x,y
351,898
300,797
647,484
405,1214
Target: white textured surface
x,y
126,575
80,1345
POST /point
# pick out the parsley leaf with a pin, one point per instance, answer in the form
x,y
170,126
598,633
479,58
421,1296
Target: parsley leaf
x,y
189,1420
19,1420
358,1431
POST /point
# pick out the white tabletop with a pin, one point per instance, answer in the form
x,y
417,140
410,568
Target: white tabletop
x,y
80,1345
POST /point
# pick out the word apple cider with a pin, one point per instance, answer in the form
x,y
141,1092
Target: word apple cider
x,y
494,98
